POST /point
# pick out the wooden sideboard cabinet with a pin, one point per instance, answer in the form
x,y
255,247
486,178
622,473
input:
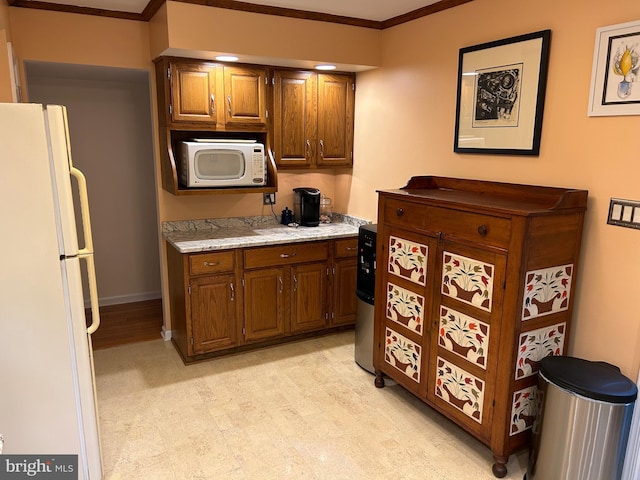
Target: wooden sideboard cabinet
x,y
476,281
226,300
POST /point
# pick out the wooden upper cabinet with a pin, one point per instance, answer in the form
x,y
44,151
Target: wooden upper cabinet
x,y
193,93
294,118
336,99
313,119
213,96
245,96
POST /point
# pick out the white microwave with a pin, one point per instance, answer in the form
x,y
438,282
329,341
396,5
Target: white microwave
x,y
222,163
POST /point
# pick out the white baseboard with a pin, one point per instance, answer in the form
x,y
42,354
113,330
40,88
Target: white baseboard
x,y
131,298
166,334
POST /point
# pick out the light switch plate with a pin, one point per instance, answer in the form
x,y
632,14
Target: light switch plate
x,y
624,213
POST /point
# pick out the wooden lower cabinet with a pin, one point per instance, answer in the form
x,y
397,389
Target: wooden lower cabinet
x,y
297,275
205,301
214,313
264,307
475,280
223,300
344,272
309,306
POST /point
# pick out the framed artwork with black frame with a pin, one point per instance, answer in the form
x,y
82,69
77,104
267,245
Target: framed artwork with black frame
x,y
501,90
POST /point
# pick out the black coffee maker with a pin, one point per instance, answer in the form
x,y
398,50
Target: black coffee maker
x,y
306,206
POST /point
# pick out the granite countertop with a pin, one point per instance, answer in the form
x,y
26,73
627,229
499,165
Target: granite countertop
x,y
226,233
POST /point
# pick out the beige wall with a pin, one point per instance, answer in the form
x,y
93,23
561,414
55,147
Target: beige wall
x,y
405,115
274,40
79,39
405,120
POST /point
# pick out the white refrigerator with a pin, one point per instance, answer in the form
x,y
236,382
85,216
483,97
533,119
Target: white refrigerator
x,y
47,390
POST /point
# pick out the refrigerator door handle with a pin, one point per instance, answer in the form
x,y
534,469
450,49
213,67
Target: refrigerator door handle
x,y
86,253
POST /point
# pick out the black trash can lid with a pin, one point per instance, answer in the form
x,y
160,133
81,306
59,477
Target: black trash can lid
x,y
596,380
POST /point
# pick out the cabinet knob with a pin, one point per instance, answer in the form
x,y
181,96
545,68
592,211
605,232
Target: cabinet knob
x,y
399,212
482,230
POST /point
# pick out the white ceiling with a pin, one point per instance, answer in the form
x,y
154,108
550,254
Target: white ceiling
x,y
377,10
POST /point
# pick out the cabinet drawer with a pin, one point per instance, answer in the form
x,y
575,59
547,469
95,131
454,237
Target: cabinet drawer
x,y
346,247
286,254
404,214
205,263
482,229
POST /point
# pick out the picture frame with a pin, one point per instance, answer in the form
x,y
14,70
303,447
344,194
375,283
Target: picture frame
x,y
615,79
500,96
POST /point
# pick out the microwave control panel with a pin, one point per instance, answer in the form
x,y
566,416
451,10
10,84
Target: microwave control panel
x,y
259,170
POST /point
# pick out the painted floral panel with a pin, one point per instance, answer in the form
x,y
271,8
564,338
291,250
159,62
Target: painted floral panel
x,y
403,354
460,389
408,259
463,335
533,346
405,307
546,291
467,280
523,409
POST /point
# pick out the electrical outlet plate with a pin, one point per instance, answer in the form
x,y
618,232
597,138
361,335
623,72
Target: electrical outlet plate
x,y
268,198
624,213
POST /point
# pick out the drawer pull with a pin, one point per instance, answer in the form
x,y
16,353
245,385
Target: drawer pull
x,y
211,264
483,230
399,212
348,249
287,255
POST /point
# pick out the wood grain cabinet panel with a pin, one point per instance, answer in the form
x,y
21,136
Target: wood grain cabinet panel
x,y
264,306
344,281
245,96
193,93
474,287
309,297
214,319
313,119
222,301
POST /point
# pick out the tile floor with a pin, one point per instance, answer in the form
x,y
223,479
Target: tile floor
x,y
303,410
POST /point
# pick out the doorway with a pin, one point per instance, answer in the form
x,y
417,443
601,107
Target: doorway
x,y
110,125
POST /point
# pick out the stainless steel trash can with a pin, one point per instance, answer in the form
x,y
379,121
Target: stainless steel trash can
x,y
583,421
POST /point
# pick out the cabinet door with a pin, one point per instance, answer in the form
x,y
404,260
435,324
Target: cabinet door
x,y
264,294
466,332
344,291
336,100
193,91
308,297
214,319
294,118
245,96
403,305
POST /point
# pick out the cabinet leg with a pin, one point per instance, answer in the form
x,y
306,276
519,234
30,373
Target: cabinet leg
x,y
499,468
379,381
